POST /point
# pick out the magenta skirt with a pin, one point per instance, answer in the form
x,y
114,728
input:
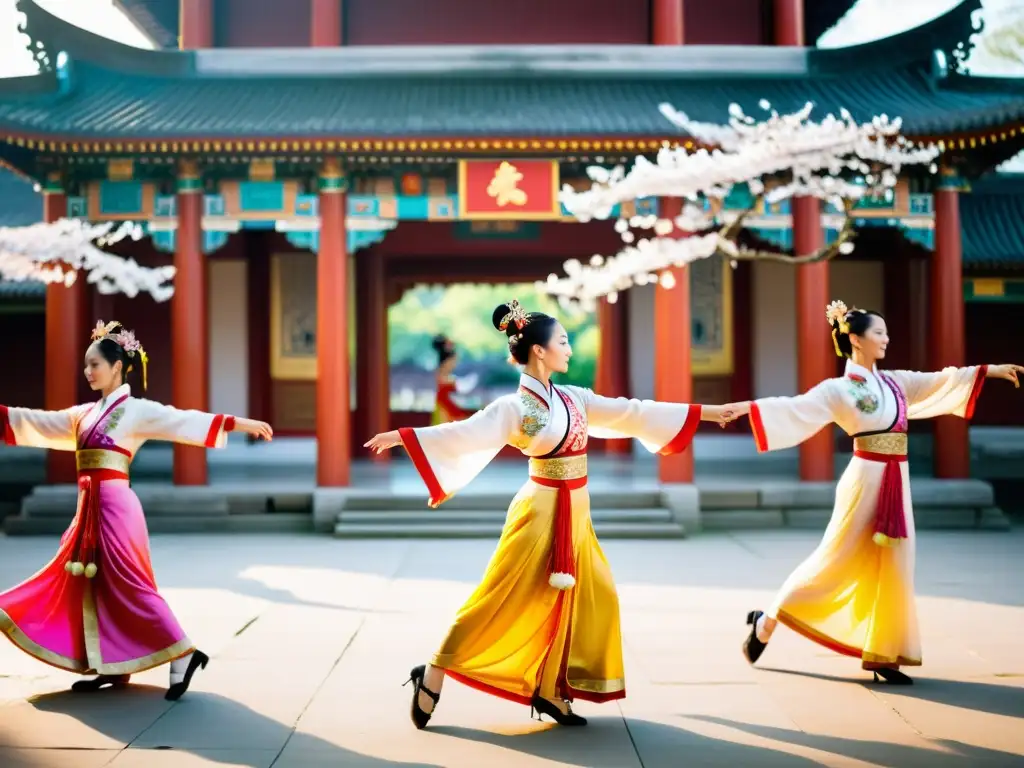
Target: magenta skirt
x,y
113,624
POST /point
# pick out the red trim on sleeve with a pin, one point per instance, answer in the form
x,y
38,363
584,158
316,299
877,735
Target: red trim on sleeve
x,y
214,433
5,427
419,460
684,436
979,383
757,427
229,423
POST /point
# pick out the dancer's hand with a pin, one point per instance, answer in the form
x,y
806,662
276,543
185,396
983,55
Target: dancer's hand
x,y
1007,371
384,441
258,429
714,413
733,411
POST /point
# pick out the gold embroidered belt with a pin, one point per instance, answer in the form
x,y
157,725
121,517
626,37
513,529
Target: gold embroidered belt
x,y
93,459
559,468
888,444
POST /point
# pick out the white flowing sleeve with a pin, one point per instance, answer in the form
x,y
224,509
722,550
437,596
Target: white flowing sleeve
x,y
783,422
156,421
448,456
949,392
664,428
55,430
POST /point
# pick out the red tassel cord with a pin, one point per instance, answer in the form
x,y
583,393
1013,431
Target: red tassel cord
x,y
890,517
563,561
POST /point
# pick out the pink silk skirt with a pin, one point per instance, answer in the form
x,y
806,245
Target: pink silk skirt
x,y
113,624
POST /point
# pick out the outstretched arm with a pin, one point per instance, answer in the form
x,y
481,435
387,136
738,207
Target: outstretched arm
x,y
55,430
951,391
784,422
207,430
664,428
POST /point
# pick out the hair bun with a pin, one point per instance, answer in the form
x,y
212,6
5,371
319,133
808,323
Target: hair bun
x,y
440,343
500,313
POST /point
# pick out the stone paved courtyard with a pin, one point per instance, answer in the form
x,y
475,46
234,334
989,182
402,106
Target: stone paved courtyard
x,y
312,637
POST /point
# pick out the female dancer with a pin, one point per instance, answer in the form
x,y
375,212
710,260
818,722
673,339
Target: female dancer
x,y
855,593
95,608
543,626
448,384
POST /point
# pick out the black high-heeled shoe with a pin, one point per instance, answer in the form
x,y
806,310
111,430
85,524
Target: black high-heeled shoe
x,y
98,683
176,691
893,677
752,647
545,707
419,717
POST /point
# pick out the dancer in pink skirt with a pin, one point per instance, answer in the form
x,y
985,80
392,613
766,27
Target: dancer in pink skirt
x,y
95,608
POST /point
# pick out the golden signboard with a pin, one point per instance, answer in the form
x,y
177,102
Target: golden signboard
x,y
711,327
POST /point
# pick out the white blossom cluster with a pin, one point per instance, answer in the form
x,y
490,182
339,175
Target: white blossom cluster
x,y
55,253
779,158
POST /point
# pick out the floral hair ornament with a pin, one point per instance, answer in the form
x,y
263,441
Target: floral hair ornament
x,y
516,315
836,313
126,340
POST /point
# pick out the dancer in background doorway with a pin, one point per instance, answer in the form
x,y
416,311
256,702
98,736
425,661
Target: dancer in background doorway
x,y
450,386
855,593
542,628
95,608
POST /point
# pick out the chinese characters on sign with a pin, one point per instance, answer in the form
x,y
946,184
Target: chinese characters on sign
x,y
502,189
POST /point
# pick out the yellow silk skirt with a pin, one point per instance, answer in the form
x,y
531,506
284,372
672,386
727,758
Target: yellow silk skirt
x,y
516,635
852,595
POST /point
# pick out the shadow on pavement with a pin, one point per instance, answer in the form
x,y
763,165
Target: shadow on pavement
x,y
1005,700
202,723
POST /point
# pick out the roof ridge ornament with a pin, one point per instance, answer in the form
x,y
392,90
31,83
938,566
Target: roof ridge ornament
x,y
36,45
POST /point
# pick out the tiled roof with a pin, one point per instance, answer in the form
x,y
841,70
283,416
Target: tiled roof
x,y
112,91
992,217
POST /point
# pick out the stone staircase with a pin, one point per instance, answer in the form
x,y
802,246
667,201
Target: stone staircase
x,y
615,515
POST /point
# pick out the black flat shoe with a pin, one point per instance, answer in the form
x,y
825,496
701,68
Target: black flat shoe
x,y
893,677
98,683
545,707
176,691
419,717
752,647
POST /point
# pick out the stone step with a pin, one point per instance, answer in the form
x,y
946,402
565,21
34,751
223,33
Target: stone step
x,y
432,530
281,522
362,501
457,516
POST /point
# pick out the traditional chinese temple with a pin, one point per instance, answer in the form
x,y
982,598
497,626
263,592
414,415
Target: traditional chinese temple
x,y
303,168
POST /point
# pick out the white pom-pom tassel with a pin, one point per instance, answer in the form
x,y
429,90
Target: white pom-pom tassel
x,y
562,581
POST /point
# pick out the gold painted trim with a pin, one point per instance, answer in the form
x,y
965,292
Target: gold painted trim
x,y
598,686
719,362
21,640
281,367
99,458
889,444
568,468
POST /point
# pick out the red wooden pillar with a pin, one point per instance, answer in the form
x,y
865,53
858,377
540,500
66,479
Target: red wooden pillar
x,y
667,22
952,454
195,24
325,23
789,22
612,376
373,386
673,377
190,347
815,353
333,433
66,340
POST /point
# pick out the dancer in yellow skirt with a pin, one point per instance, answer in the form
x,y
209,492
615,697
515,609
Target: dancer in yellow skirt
x,y
855,593
543,626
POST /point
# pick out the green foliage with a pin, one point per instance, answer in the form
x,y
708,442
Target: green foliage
x,y
463,313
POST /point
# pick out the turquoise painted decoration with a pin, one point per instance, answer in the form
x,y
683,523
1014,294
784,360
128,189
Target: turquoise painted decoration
x,y
307,205
497,230
165,206
740,198
781,208
884,201
213,205
164,240
120,198
922,205
647,206
363,206
925,237
782,237
261,196
364,239
308,240
78,208
214,241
